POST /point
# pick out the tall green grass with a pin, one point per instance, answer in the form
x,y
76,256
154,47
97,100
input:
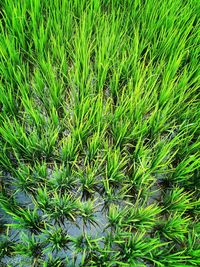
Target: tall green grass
x,y
99,133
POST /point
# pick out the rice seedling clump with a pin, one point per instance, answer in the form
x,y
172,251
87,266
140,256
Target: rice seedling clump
x,y
99,133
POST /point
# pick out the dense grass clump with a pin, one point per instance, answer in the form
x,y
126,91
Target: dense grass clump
x,y
99,133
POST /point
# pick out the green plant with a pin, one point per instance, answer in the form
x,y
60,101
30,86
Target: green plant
x,y
99,133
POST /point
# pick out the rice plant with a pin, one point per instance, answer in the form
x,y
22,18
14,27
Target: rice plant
x,y
99,133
